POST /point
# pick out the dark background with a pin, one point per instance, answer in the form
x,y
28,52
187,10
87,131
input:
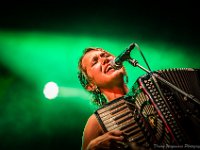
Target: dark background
x,y
172,22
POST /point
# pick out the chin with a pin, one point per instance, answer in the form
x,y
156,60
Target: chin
x,y
117,76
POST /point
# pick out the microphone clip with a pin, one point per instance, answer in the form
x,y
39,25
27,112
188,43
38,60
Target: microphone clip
x,y
125,55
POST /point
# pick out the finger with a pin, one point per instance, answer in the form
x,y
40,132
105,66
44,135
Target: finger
x,y
117,138
116,132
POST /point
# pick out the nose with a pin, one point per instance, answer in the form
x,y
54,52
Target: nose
x,y
104,60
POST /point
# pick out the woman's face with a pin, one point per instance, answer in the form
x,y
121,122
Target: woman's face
x,y
98,68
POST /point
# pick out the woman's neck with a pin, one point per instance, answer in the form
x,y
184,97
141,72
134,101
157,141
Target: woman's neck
x,y
115,92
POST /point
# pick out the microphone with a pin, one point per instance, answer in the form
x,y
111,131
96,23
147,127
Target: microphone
x,y
117,62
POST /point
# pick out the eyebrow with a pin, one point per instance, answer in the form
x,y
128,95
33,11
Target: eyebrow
x,y
93,59
96,56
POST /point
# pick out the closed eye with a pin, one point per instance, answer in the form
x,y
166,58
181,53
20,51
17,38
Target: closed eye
x,y
94,60
104,54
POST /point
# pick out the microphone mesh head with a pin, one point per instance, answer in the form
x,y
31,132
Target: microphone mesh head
x,y
115,65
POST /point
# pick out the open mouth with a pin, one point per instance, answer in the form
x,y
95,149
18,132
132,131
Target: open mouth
x,y
107,69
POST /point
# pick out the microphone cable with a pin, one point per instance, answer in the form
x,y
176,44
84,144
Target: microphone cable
x,y
137,46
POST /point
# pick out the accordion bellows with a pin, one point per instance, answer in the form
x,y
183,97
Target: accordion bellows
x,y
154,113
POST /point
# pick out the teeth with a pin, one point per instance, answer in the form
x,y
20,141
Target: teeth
x,y
108,68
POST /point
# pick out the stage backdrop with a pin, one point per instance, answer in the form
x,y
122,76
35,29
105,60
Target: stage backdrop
x,y
43,45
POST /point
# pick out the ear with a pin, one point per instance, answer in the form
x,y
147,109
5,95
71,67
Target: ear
x,y
90,87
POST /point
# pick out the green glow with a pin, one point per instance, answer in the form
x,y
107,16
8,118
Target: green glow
x,y
35,58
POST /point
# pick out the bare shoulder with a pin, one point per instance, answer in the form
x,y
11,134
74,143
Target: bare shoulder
x,y
91,131
92,120
93,125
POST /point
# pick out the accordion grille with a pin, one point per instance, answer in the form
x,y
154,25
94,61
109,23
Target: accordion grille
x,y
122,115
154,113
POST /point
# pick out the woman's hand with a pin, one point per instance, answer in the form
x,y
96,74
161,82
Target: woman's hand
x,y
104,141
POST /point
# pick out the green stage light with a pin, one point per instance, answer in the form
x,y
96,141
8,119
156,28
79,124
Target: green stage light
x,y
72,92
51,90
35,58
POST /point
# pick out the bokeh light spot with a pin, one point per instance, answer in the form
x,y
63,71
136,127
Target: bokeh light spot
x,y
51,90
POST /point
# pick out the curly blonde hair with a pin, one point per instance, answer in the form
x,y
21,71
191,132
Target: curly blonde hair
x,y
97,97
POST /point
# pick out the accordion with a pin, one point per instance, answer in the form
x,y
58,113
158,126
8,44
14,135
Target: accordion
x,y
153,114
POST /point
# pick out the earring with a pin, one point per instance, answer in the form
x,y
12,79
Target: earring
x,y
101,100
96,90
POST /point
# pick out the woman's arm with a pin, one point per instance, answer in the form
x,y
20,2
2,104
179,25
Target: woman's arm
x,y
94,138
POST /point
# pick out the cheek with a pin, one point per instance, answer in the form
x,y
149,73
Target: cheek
x,y
93,72
95,69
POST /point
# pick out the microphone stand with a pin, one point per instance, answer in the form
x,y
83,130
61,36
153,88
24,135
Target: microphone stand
x,y
194,119
135,63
